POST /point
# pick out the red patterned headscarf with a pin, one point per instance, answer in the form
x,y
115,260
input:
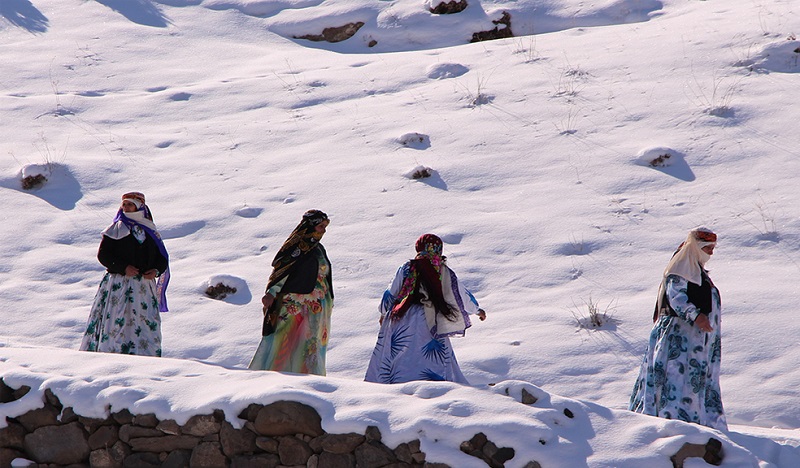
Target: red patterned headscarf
x,y
425,271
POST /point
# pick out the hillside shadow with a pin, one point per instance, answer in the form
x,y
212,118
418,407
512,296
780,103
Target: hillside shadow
x,y
142,12
678,168
23,14
182,229
547,18
766,449
435,181
62,190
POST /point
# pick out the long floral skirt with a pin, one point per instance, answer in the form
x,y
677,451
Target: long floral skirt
x,y
679,376
407,351
124,318
300,340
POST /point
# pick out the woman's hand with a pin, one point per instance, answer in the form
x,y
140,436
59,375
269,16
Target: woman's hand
x,y
150,274
482,314
702,323
267,301
131,270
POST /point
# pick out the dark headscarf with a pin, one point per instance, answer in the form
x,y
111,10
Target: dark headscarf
x,y
424,270
301,241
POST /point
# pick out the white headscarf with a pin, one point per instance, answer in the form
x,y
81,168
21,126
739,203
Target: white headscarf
x,y
688,262
690,258
119,229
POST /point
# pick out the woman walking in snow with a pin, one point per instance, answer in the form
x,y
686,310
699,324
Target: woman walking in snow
x,y
125,316
679,377
423,307
298,303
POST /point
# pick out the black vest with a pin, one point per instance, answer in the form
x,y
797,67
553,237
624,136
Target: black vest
x,y
301,279
699,295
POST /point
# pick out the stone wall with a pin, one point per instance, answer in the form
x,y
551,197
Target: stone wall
x,y
284,434
281,434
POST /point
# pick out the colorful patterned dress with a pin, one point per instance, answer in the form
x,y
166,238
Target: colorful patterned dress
x,y
679,377
408,348
301,334
124,318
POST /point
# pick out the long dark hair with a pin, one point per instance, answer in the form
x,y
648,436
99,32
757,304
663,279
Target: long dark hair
x,y
426,276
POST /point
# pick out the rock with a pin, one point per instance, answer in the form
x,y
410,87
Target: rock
x,y
449,8
336,460
8,455
6,392
267,444
177,459
142,460
219,291
475,443
170,427
419,458
250,412
532,464
481,447
207,455
527,398
53,400
20,392
104,437
502,455
92,424
122,417
201,425
128,432
373,434
495,33
262,460
145,420
113,457
711,452
414,446
40,417
293,451
165,443
403,453
288,418
68,415
373,454
12,436
236,441
33,181
338,443
489,449
334,34
62,445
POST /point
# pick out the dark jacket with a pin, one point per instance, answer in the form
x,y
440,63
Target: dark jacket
x,y
115,255
301,279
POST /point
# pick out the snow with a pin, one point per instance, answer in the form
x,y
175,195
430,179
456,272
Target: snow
x,y
233,128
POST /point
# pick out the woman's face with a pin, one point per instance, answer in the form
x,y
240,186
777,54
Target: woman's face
x,y
709,249
128,206
321,227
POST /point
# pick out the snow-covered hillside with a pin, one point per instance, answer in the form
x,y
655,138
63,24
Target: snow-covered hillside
x,y
539,147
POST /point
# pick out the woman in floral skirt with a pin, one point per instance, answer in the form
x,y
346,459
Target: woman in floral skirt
x,y
679,377
297,303
125,316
